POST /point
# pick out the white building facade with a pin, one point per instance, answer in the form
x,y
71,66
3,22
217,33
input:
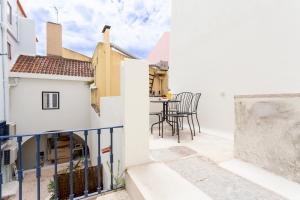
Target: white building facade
x,y
228,48
48,93
70,111
17,37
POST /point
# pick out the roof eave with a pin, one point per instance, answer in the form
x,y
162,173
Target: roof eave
x,y
49,76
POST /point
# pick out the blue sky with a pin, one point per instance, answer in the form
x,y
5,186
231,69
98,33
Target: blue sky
x,y
136,24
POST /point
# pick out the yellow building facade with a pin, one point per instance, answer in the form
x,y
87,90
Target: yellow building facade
x,y
158,79
70,54
54,44
106,62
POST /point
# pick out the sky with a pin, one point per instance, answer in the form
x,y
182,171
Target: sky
x,y
136,25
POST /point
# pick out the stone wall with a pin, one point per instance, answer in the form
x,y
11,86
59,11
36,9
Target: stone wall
x,y
268,132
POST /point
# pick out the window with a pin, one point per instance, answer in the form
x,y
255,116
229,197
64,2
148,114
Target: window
x,y
9,13
50,100
9,51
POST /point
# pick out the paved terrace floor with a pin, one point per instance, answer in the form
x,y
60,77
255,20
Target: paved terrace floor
x,y
197,161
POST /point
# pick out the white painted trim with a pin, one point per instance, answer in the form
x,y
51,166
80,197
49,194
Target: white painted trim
x,y
49,76
277,184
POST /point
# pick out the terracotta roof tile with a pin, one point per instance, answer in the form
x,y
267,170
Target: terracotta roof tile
x,y
53,65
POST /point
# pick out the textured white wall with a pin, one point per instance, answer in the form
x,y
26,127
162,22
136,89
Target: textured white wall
x,y
225,48
26,105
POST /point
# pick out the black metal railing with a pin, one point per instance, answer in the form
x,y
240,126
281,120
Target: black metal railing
x,y
55,136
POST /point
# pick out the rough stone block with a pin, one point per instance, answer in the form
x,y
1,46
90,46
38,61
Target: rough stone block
x,y
268,132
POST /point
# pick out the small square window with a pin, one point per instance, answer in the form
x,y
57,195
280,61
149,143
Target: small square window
x,y
9,51
9,13
50,100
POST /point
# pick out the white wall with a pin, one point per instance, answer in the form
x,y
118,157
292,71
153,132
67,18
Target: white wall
x,y
2,110
3,64
24,40
26,105
27,37
29,152
22,37
135,97
111,114
20,34
129,110
224,48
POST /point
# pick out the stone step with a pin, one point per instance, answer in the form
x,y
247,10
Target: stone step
x,y
156,181
282,186
118,195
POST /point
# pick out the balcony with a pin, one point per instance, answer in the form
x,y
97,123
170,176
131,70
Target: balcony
x,y
71,174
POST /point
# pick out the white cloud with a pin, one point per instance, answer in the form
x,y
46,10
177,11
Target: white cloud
x,y
136,24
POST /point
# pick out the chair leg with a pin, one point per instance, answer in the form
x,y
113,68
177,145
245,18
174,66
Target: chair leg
x,y
152,129
177,129
190,126
162,129
172,125
181,123
198,122
171,122
159,125
193,125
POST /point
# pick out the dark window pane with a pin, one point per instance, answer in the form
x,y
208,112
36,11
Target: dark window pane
x,y
48,100
9,51
54,100
9,13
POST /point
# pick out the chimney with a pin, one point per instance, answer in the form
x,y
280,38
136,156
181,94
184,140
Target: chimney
x,y
54,39
107,65
105,31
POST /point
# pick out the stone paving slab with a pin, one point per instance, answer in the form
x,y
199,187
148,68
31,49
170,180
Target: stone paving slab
x,y
172,153
217,182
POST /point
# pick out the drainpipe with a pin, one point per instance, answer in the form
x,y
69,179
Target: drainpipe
x,y
3,57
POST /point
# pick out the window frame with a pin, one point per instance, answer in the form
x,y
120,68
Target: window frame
x,y
9,51
9,13
58,100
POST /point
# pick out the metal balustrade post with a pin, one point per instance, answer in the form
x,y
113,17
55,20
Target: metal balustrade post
x,y
55,167
71,166
99,162
1,178
38,167
111,160
86,192
20,167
